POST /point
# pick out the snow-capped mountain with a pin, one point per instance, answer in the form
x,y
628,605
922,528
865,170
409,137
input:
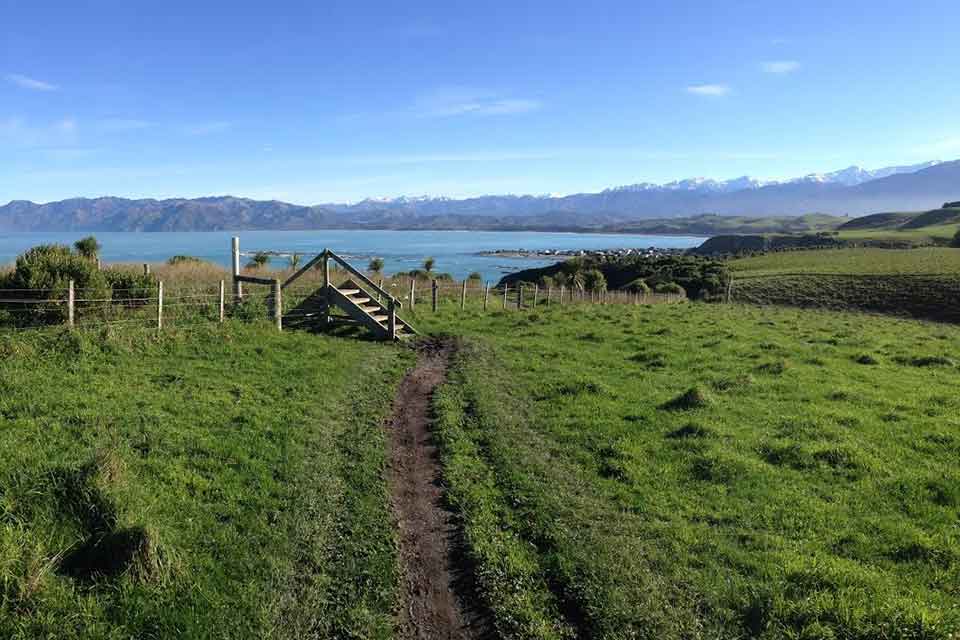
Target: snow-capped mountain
x,y
850,177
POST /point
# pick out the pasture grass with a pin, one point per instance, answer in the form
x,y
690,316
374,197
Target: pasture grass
x,y
861,261
692,470
225,482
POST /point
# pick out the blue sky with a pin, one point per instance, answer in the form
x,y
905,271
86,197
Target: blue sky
x,y
315,102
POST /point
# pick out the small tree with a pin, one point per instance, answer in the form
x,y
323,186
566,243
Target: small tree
x,y
429,264
476,275
375,266
259,260
594,280
956,240
294,260
87,247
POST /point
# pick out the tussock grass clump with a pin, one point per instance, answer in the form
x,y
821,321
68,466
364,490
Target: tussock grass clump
x,y
650,360
866,359
577,387
716,468
134,552
692,430
775,368
734,383
928,361
694,398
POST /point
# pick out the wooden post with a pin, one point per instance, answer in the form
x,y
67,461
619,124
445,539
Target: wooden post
x,y
536,292
222,296
277,305
520,297
435,296
71,297
486,294
506,287
413,293
463,296
561,295
160,305
392,318
99,264
380,284
237,285
549,291
146,269
729,288
325,320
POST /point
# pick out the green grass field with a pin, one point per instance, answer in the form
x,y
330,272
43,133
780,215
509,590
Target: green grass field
x,y
868,261
688,471
237,473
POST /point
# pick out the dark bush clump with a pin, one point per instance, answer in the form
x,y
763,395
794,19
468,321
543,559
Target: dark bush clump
x,y
44,273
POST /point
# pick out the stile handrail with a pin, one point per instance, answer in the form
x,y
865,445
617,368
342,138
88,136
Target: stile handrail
x,y
370,283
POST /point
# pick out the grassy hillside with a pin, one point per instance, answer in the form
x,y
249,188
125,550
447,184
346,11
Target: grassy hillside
x,y
224,483
706,471
937,226
862,261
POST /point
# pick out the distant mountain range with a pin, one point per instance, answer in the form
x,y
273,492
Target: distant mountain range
x,y
853,191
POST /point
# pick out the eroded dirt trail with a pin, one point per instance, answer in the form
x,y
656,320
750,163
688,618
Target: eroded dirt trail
x,y
435,603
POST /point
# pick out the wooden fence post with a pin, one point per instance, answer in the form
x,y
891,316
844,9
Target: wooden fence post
x,y
486,294
434,296
520,297
160,305
536,292
549,291
237,285
561,295
729,288
378,292
413,293
277,305
392,318
146,269
325,320
463,296
71,298
505,288
222,296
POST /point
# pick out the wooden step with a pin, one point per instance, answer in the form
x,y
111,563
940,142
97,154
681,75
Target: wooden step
x,y
349,292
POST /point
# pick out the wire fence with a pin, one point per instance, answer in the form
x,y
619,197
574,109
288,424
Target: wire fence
x,y
191,304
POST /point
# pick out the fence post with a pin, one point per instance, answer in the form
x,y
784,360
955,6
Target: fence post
x,y
520,297
729,288
463,296
549,291
237,285
71,297
536,292
413,292
326,288
486,294
506,287
160,305
378,292
392,318
561,295
277,305
146,269
222,296
434,296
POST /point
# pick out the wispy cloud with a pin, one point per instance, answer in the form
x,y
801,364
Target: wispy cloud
x,y
452,102
207,128
713,90
33,84
23,133
780,66
124,124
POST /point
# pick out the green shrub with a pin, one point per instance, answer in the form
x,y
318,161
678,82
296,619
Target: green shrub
x,y
638,286
956,241
87,247
476,275
129,286
670,287
49,269
175,260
